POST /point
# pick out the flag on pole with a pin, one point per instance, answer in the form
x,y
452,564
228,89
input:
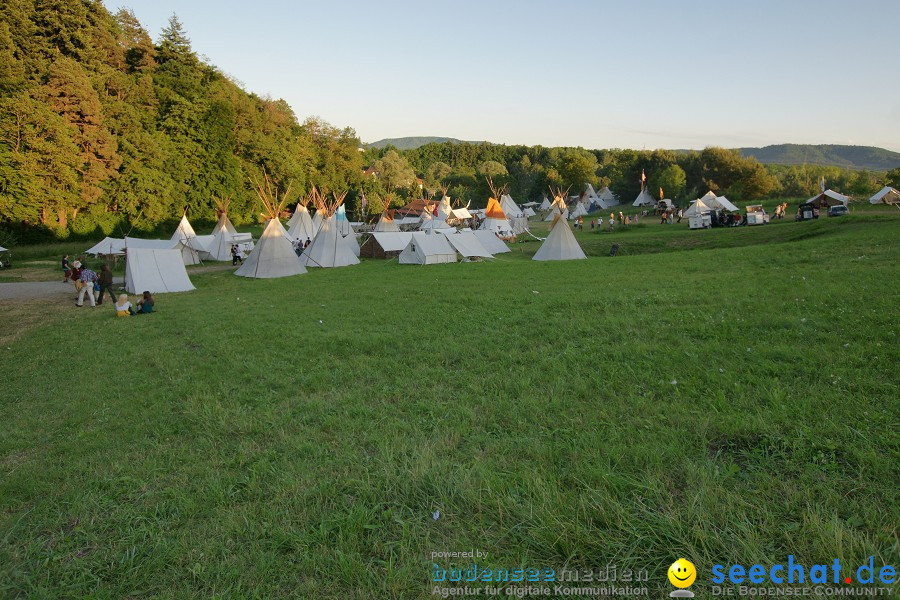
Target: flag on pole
x,y
364,202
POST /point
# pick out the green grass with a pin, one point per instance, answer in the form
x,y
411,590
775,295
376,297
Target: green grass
x,y
723,395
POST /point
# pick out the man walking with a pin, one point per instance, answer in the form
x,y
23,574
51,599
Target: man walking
x,y
88,279
106,283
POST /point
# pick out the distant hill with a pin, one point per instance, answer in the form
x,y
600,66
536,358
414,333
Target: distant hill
x,y
411,143
851,157
831,155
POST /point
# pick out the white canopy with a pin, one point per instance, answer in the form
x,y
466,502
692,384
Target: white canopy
x,y
272,257
392,241
108,246
156,271
887,195
560,244
467,244
427,249
724,203
490,241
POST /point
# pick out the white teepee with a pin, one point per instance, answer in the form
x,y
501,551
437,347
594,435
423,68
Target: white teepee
x,y
273,255
300,226
329,248
560,244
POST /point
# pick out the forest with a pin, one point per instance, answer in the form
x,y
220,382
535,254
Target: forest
x,y
103,129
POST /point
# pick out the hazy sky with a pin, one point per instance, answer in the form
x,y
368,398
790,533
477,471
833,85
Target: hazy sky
x,y
626,74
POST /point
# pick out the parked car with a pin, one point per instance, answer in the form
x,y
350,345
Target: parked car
x,y
838,210
756,215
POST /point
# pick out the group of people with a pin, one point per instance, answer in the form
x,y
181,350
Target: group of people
x,y
299,246
94,286
780,210
671,215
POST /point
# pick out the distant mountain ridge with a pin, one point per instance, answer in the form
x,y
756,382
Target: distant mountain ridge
x,y
830,155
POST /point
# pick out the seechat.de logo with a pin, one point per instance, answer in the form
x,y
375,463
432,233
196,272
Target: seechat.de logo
x,y
794,572
682,574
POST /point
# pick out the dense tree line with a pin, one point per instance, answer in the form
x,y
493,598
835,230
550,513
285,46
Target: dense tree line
x,y
683,176
100,126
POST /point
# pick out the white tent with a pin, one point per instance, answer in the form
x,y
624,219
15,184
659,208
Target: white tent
x,y
224,236
697,208
272,257
491,242
887,195
385,244
644,199
427,249
329,248
545,204
300,226
510,207
109,246
341,221
155,270
467,244
495,219
829,198
528,212
386,222
189,256
557,208
608,198
184,230
2,249
560,244
351,242
723,203
436,222
578,211
461,213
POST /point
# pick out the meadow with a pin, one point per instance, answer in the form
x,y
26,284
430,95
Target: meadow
x,y
726,396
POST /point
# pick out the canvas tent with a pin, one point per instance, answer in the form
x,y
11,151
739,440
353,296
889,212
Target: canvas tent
x,y
300,225
608,198
560,244
828,198
427,249
155,270
224,236
644,199
467,244
273,256
697,208
491,242
189,256
495,219
887,195
545,204
385,244
108,247
386,222
557,208
578,211
329,249
724,203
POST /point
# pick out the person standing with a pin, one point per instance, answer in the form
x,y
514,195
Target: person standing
x,y
67,270
106,283
87,278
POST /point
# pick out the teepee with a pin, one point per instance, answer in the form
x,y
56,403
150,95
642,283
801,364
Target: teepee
x,y
329,248
300,225
558,208
386,222
224,235
495,218
561,243
273,255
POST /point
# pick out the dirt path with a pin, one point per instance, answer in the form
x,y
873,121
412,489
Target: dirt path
x,y
28,290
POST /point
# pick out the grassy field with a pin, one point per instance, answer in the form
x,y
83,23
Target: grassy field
x,y
723,395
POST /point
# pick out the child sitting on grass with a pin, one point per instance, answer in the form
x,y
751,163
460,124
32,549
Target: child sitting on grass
x,y
145,304
123,306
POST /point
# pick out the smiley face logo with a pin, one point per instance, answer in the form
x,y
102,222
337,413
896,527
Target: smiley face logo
x,y
682,573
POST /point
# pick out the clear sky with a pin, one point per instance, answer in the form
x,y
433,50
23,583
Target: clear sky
x,y
626,74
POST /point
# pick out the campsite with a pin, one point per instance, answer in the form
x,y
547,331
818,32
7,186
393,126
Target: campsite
x,y
262,337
